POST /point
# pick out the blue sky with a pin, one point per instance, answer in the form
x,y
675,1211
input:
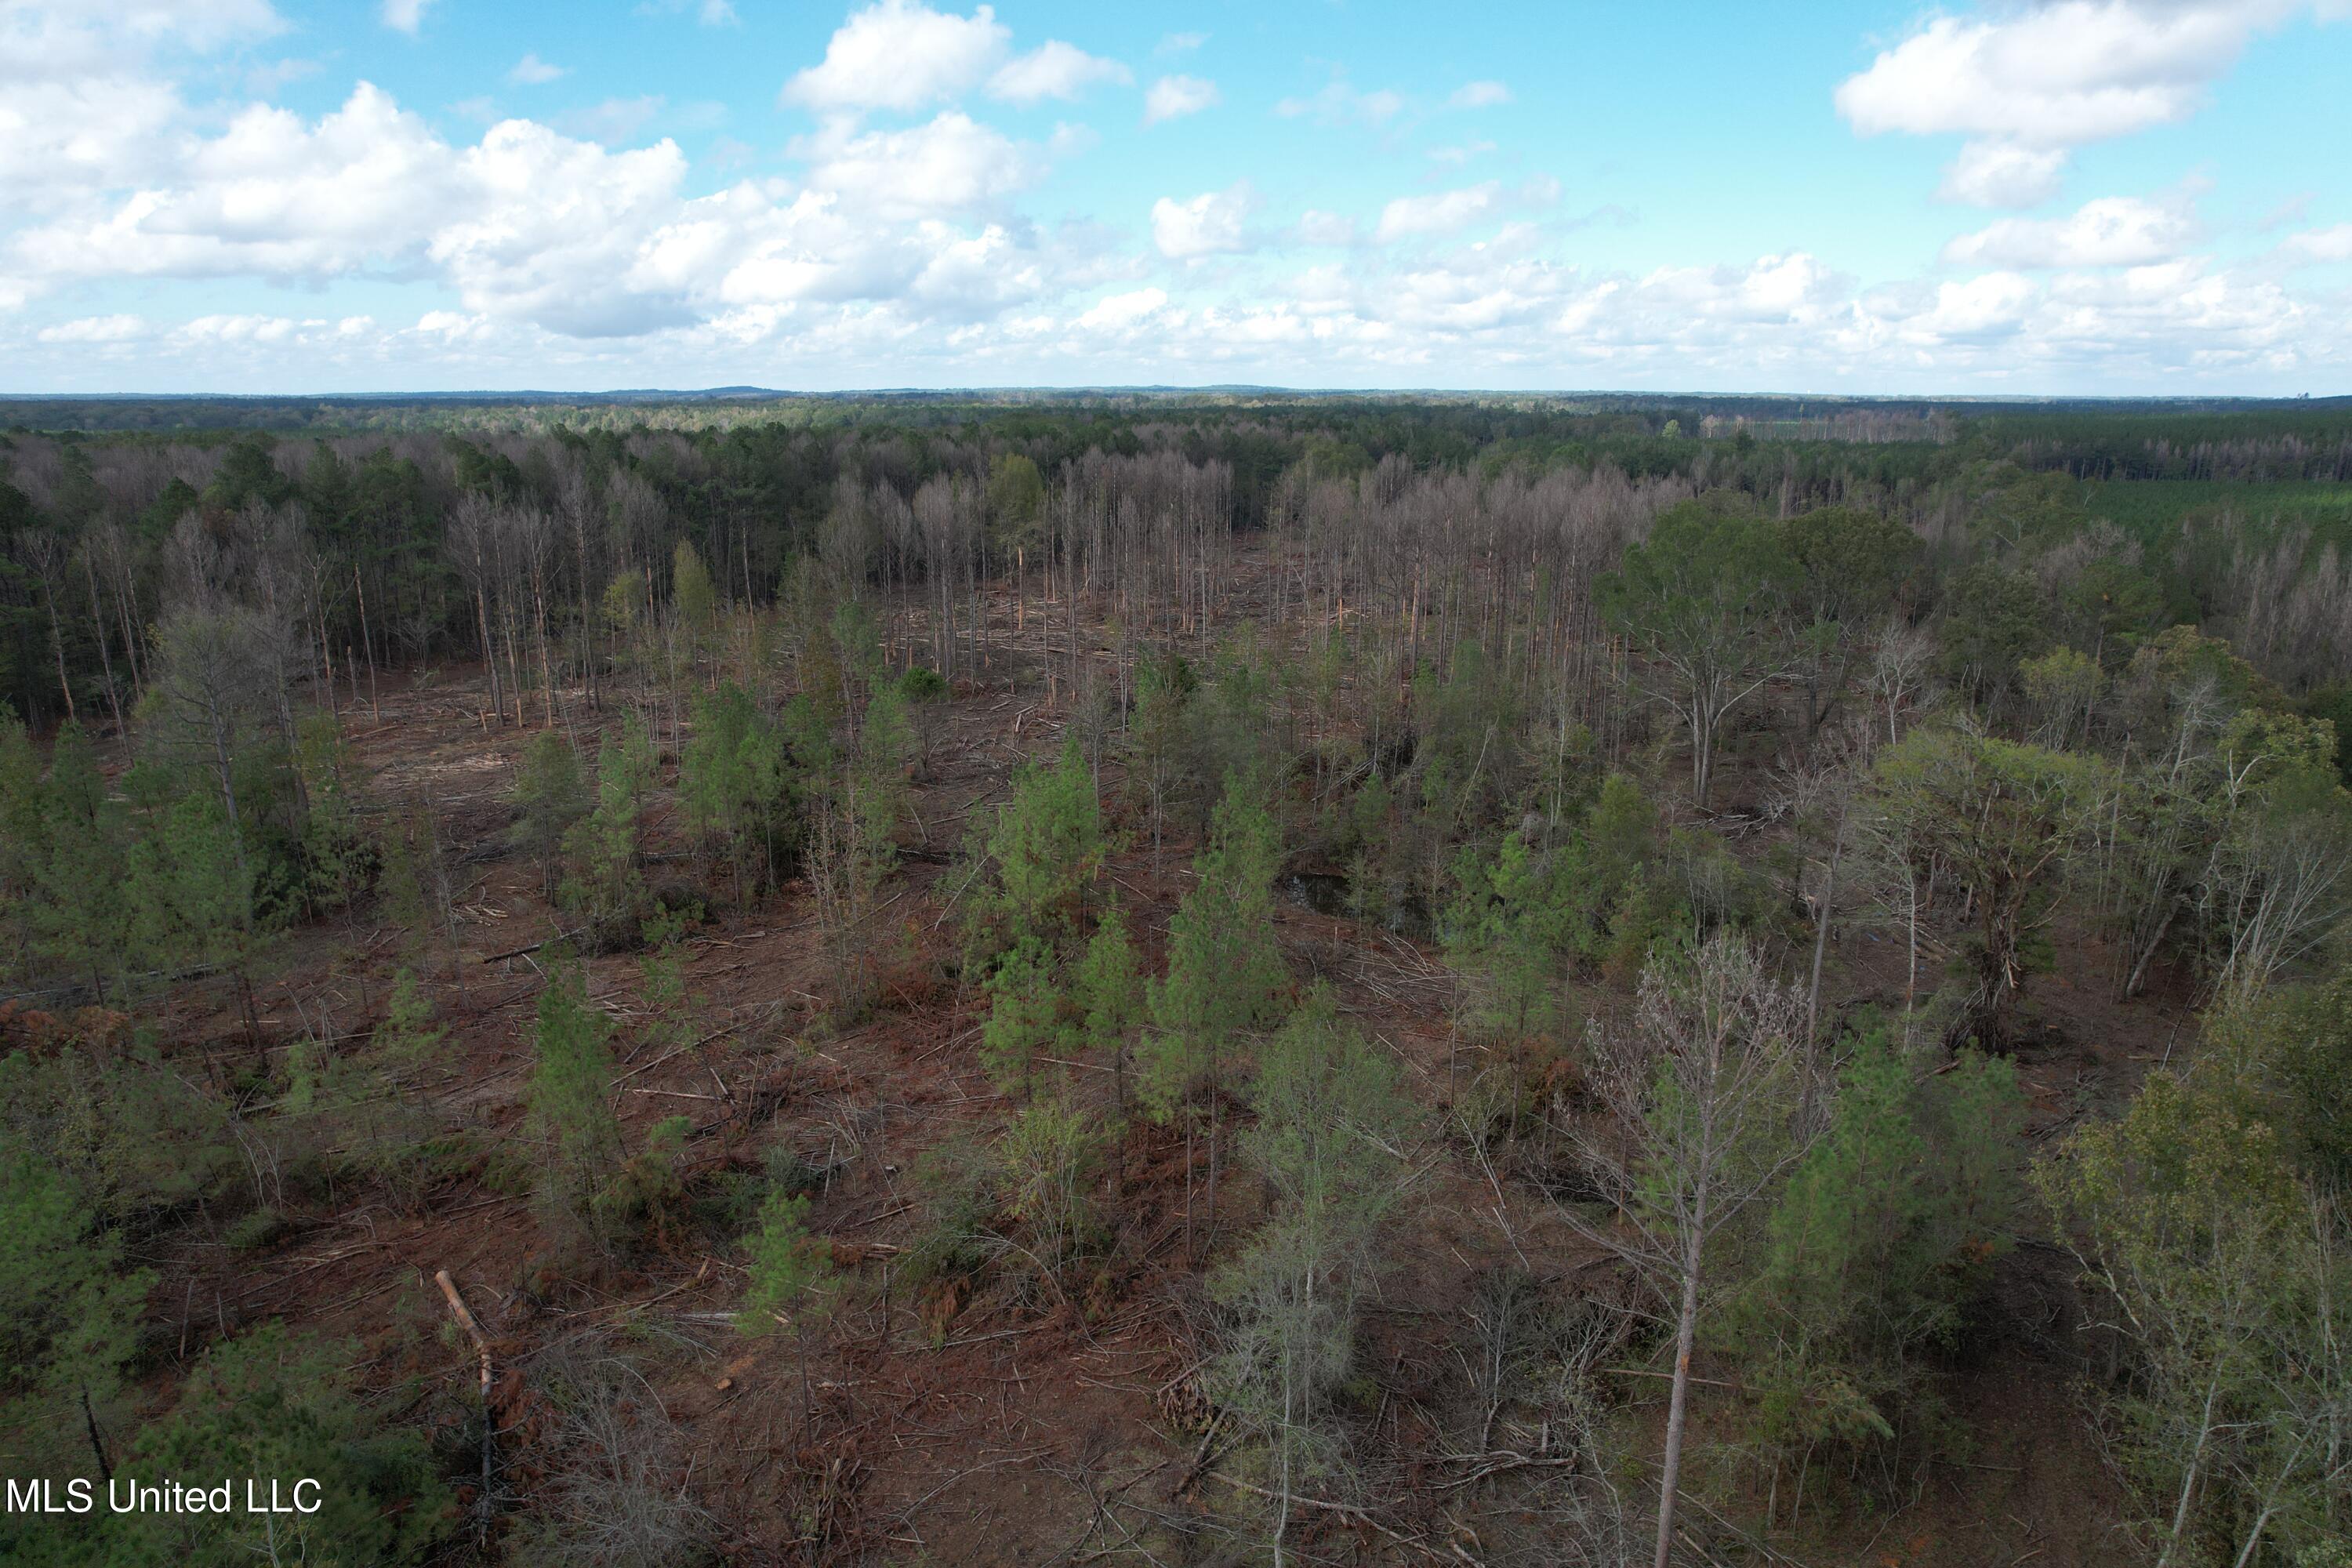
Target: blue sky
x,y
2085,196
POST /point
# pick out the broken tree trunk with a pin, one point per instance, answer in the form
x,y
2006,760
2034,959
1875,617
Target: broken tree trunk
x,y
490,1423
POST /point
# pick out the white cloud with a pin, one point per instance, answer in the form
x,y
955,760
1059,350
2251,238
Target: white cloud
x,y
2055,74
1180,43
1173,96
1340,103
901,55
1122,313
1442,213
1055,70
2114,231
83,107
270,195
94,330
531,71
952,164
404,16
1480,95
1213,223
535,227
2321,244
900,249
2003,175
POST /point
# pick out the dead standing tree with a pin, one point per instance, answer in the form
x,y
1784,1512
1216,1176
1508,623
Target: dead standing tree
x,y
1700,1096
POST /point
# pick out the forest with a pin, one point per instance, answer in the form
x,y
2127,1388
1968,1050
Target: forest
x,y
1177,978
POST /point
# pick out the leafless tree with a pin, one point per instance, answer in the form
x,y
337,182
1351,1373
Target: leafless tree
x,y
1700,1125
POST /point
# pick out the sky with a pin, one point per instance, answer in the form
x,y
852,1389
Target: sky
x,y
2107,197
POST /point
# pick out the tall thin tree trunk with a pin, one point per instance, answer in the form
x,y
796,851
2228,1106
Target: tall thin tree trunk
x,y
1821,915
58,643
98,628
367,641
1678,1405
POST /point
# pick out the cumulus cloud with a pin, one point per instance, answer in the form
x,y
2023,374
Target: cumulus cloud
x,y
83,106
2026,85
271,195
2114,231
1480,95
1173,96
1122,313
901,54
2055,74
532,71
952,164
1446,212
1213,223
94,330
1055,70
2003,175
561,234
2333,244
898,248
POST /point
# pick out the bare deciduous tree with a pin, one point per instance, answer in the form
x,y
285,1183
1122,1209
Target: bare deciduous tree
x,y
1699,1095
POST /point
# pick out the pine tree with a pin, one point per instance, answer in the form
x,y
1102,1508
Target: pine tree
x,y
335,850
24,802
549,796
570,1104
734,781
1044,850
191,894
1512,930
69,1320
267,1404
406,1040
79,916
886,746
793,1283
1224,969
1885,1231
601,883
693,605
1023,1017
1328,1142
1110,997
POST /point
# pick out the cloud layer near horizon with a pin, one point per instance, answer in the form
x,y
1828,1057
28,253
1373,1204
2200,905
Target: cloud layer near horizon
x,y
903,245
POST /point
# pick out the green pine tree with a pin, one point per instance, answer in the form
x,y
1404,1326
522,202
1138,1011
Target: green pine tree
x,y
1110,997
68,1321
1023,1017
570,1105
550,795
79,915
1224,970
601,883
1043,851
